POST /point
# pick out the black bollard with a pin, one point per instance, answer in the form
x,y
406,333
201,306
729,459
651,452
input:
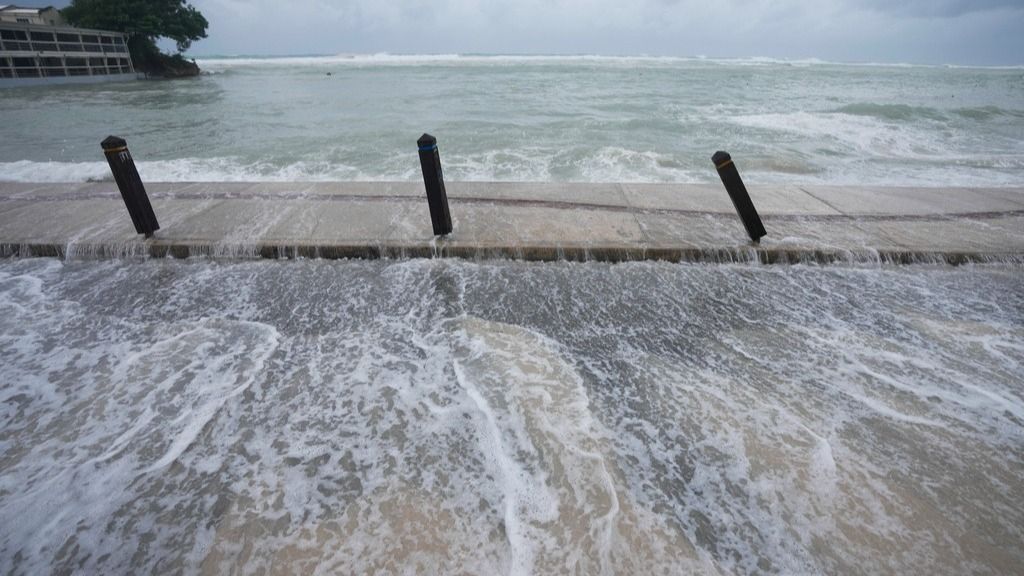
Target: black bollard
x,y
738,192
437,198
130,185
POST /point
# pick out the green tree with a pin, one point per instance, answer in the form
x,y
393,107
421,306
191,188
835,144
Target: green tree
x,y
143,22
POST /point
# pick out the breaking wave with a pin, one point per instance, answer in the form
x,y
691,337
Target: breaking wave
x,y
905,112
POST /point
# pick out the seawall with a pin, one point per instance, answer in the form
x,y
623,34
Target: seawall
x,y
532,221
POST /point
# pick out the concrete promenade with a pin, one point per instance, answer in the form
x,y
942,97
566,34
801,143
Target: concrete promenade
x,y
535,221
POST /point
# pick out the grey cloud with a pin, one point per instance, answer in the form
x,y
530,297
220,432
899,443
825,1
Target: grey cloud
x,y
939,8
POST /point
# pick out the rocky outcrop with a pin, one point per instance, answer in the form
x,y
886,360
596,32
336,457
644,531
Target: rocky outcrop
x,y
175,66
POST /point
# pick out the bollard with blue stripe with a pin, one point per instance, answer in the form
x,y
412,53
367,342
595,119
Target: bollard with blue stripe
x,y
740,198
437,198
128,182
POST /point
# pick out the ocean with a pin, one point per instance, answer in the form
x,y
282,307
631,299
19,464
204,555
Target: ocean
x,y
532,118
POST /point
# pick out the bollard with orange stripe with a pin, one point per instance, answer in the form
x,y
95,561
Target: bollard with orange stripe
x,y
740,198
130,185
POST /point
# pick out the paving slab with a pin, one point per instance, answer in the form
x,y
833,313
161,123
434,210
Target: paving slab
x,y
477,224
33,189
577,226
399,189
948,235
1014,195
722,231
15,189
66,222
714,199
7,205
540,192
175,214
905,201
224,220
367,222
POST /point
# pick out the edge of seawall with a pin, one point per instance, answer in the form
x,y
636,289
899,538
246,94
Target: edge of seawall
x,y
611,254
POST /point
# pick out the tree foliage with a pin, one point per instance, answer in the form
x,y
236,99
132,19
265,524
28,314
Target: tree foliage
x,y
143,21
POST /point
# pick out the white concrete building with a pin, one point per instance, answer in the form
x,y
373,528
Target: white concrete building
x,y
33,54
48,16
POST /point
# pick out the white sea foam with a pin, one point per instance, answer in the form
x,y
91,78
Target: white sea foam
x,y
610,164
853,141
227,169
503,417
607,164
869,137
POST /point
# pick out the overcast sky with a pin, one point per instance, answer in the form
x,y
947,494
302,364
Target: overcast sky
x,y
922,31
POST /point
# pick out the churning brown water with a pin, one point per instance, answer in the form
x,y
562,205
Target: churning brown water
x,y
499,417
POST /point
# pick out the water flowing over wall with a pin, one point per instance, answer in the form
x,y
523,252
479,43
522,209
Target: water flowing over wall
x,y
510,417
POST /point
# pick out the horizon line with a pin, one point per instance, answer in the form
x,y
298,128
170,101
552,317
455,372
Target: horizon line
x,y
806,60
